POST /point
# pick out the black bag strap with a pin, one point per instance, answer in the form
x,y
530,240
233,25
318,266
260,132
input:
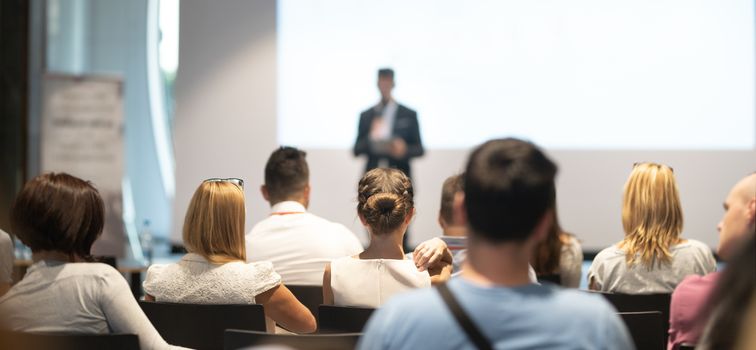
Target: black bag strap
x,y
463,320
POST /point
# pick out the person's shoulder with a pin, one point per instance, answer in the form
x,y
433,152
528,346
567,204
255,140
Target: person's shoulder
x,y
695,245
418,302
609,253
402,109
4,237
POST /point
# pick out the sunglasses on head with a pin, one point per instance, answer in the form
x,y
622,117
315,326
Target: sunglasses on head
x,y
657,165
236,181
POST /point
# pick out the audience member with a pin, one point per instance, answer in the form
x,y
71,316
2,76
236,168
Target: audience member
x,y
559,254
297,242
738,224
59,216
653,257
455,232
385,207
215,271
6,262
733,303
506,206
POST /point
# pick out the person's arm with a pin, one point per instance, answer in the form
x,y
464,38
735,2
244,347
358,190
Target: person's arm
x,y
414,142
327,291
148,297
281,305
432,253
440,273
124,315
362,145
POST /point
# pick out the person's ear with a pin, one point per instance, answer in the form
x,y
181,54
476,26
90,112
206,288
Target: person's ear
x,y
264,191
306,195
362,219
409,216
544,226
441,221
751,210
459,211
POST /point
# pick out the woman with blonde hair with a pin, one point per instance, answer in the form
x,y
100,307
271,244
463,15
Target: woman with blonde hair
x,y
386,208
215,271
653,257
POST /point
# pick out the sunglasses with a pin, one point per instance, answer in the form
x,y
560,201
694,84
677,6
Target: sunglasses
x,y
654,164
236,181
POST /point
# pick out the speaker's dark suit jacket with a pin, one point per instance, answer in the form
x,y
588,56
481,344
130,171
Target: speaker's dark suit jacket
x,y
405,127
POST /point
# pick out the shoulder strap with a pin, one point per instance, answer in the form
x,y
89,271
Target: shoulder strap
x,y
463,320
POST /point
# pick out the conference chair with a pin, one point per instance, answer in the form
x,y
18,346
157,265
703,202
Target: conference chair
x,y
686,347
67,341
646,329
309,296
342,319
642,302
554,278
237,339
200,326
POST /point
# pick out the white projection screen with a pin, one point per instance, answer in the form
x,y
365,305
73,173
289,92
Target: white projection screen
x,y
579,74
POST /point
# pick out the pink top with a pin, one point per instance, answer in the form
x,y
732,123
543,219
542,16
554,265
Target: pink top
x,y
690,296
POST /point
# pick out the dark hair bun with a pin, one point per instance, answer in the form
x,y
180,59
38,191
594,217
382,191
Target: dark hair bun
x,y
384,204
384,199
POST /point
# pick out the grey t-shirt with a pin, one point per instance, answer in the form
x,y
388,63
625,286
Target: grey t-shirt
x,y
6,258
610,273
90,298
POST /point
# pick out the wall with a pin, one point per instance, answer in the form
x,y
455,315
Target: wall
x,y
226,126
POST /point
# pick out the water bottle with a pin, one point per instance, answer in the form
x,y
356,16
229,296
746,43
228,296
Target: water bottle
x,y
145,237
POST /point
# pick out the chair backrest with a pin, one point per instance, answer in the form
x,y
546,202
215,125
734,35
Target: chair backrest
x,y
554,278
237,339
686,347
66,341
342,319
646,329
642,302
309,296
200,326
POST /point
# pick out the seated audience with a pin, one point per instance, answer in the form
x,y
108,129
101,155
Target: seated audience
x,y
297,242
559,254
506,205
653,257
59,216
386,207
455,232
732,305
215,271
6,262
738,224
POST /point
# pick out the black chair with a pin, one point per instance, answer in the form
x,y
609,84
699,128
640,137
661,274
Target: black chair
x,y
106,259
237,339
66,341
309,296
554,278
642,302
686,347
201,326
342,319
646,329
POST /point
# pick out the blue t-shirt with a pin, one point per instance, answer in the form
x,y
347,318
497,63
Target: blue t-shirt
x,y
527,317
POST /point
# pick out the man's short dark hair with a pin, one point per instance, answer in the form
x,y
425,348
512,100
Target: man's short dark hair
x,y
58,212
386,73
451,186
508,188
286,173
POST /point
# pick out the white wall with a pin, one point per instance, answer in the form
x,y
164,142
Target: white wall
x,y
226,126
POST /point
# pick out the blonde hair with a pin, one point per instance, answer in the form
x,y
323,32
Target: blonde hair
x,y
214,223
651,214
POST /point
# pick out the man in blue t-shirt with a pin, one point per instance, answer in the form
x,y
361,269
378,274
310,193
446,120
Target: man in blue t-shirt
x,y
506,204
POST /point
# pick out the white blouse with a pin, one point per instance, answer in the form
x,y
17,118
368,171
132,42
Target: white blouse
x,y
194,280
370,282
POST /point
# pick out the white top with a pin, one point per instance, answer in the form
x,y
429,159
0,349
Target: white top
x,y
194,280
571,263
370,282
610,273
6,258
90,298
299,244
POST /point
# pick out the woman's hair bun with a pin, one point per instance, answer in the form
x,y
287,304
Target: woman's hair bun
x,y
384,203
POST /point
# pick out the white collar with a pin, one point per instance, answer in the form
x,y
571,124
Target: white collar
x,y
287,207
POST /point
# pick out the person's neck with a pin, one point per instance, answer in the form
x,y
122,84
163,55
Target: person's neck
x,y
301,200
56,256
503,264
385,101
455,231
384,246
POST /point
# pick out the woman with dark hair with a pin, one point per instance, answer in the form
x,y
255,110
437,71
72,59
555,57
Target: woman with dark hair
x,y
559,254
386,208
732,305
59,216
